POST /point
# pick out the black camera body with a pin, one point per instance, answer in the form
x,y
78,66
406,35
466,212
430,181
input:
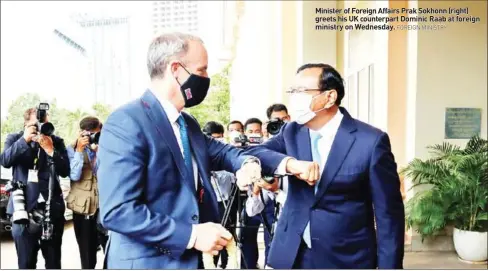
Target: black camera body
x,y
244,140
274,126
93,138
43,127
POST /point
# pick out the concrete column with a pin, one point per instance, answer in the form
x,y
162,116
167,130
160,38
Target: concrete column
x,y
255,71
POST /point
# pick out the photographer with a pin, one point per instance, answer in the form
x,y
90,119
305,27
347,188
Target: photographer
x,y
222,183
30,153
84,164
253,131
234,129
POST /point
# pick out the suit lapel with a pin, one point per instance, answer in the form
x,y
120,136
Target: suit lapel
x,y
197,142
156,114
303,144
341,146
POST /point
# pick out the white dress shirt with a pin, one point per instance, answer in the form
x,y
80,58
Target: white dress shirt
x,y
173,116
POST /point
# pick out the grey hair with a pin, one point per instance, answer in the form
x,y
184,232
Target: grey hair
x,y
165,48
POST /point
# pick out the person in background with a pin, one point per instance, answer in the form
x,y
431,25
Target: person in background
x,y
84,188
249,235
222,182
29,153
234,129
278,111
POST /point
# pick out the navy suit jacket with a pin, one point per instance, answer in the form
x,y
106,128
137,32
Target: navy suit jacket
x,y
20,156
145,198
359,183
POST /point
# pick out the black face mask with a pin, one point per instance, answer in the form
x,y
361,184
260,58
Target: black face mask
x,y
195,89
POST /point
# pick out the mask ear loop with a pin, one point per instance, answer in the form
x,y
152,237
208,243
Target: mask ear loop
x,y
316,97
181,65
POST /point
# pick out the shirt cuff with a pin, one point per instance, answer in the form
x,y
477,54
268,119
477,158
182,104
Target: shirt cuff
x,y
193,238
281,170
50,153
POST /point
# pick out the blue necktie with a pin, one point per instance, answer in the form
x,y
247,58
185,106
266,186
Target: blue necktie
x,y
186,149
316,158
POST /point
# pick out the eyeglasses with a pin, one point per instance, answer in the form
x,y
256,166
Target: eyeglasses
x,y
295,90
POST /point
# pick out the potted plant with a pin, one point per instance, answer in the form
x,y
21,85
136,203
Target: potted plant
x,y
458,195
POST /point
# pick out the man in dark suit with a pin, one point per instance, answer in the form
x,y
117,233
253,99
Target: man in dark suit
x,y
29,160
156,198
331,224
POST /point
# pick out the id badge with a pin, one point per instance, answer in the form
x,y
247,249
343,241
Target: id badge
x,y
32,176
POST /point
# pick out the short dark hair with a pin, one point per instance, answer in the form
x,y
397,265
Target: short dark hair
x,y
234,122
329,79
251,121
276,108
90,123
213,127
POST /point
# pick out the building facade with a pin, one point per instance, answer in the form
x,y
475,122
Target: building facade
x,y
182,15
109,53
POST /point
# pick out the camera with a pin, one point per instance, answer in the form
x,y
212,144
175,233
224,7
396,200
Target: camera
x,y
92,137
43,127
16,190
251,140
274,126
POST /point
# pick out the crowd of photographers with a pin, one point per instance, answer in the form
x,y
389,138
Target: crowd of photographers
x,y
38,159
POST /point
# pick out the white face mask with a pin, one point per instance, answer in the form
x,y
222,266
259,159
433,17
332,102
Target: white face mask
x,y
300,104
233,135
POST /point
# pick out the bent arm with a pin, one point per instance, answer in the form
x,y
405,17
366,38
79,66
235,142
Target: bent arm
x,y
388,205
14,148
123,162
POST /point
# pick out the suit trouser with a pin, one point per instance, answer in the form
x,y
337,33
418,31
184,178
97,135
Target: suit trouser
x,y
28,244
89,238
231,223
249,237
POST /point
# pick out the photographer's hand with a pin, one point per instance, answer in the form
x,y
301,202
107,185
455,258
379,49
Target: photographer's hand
x,y
46,142
82,142
273,187
30,131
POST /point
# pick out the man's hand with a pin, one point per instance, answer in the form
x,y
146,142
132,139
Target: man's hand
x,y
273,187
247,175
30,131
304,170
46,142
82,142
211,238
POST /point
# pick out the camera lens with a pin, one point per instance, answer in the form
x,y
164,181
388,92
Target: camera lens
x,y
47,129
274,126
